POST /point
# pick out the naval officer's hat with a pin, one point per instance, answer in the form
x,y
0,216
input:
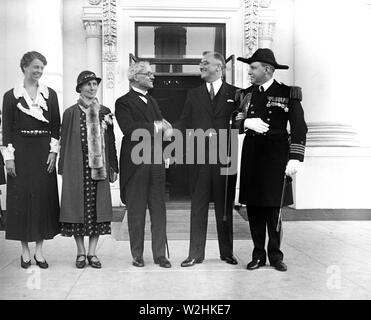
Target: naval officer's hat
x,y
263,55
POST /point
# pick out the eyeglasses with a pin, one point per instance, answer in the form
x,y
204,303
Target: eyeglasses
x,y
148,74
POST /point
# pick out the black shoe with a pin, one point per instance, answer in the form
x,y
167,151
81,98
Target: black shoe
x,y
279,265
80,263
41,264
255,264
24,264
230,260
163,262
189,262
138,262
95,264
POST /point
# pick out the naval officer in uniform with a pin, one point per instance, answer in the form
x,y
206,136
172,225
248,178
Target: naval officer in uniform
x,y
269,155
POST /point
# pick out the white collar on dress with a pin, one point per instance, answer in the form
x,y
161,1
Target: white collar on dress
x,y
19,90
34,107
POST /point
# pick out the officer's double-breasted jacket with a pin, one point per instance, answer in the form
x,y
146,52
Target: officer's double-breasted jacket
x,y
265,156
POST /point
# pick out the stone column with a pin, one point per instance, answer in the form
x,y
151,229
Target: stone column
x,y
267,17
93,29
321,55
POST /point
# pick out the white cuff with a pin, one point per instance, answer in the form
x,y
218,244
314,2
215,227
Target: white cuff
x,y
8,152
54,145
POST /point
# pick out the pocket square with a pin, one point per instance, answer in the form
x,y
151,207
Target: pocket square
x,y
230,100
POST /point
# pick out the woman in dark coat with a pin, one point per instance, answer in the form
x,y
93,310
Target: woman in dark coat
x,y
31,125
87,163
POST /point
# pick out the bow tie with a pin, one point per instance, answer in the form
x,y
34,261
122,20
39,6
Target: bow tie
x,y
142,95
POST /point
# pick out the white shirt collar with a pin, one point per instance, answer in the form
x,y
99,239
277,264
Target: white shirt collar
x,y
139,90
267,84
216,84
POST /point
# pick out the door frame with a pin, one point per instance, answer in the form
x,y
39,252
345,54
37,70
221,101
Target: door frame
x,y
129,12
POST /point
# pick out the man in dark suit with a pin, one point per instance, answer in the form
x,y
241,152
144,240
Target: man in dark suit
x,y
142,184
269,154
210,106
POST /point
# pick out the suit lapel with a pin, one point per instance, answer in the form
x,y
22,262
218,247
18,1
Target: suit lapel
x,y
205,99
221,98
140,104
156,108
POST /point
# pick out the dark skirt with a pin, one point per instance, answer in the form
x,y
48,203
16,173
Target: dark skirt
x,y
90,227
32,202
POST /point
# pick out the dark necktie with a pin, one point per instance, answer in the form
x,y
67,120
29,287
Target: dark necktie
x,y
261,89
212,92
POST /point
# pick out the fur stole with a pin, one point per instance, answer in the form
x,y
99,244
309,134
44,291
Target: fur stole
x,y
95,138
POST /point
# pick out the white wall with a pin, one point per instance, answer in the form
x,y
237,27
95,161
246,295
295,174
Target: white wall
x,y
74,49
283,44
332,52
23,30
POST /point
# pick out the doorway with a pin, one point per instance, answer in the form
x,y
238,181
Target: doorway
x,y
170,92
174,51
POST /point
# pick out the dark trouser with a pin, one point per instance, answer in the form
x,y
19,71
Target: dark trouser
x,y
147,186
260,219
209,184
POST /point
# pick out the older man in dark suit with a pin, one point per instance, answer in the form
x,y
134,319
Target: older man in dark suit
x,y
209,107
142,184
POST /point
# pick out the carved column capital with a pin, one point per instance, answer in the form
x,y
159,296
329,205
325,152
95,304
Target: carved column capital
x,y
266,30
93,28
94,2
265,3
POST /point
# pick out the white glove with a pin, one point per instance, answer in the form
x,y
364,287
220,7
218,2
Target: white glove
x,y
293,166
256,124
168,130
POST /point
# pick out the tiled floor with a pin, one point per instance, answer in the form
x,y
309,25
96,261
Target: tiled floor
x,y
326,260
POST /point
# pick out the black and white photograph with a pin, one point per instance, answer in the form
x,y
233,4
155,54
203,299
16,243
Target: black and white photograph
x,y
185,154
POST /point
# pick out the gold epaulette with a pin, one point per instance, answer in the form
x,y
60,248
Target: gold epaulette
x,y
295,93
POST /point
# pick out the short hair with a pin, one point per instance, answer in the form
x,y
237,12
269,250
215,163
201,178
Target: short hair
x,y
135,68
271,68
30,56
217,56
